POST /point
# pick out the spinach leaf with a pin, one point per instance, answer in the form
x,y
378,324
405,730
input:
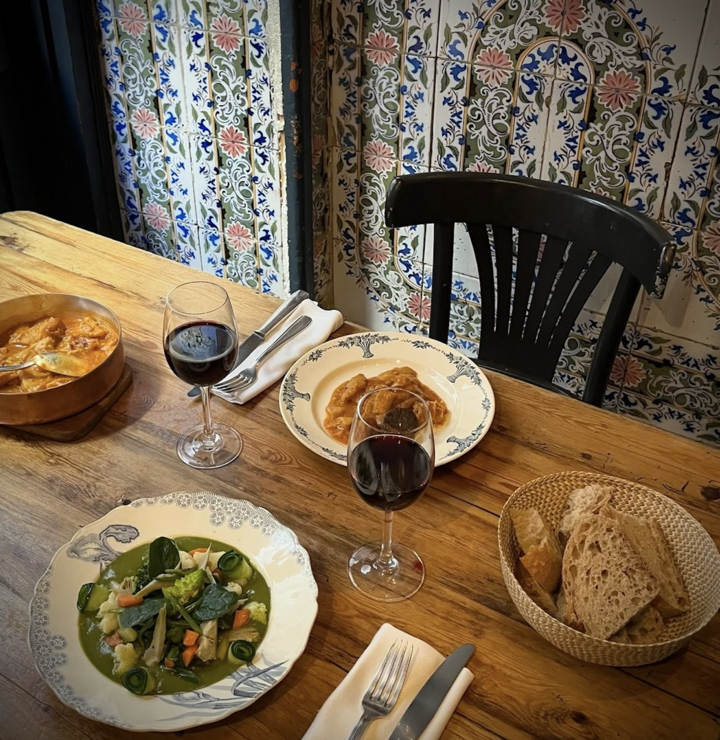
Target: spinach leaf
x,y
163,555
134,615
215,603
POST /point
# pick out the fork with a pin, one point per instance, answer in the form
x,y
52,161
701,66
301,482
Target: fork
x,y
383,692
248,376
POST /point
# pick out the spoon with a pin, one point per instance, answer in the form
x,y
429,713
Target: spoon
x,y
54,362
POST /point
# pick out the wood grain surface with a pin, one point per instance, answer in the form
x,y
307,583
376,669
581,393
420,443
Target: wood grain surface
x,y
523,687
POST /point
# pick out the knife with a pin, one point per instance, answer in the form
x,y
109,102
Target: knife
x,y
259,335
428,700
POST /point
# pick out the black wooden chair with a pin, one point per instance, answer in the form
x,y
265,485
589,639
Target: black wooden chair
x,y
554,243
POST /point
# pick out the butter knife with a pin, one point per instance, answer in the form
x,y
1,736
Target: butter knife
x,y
259,335
428,700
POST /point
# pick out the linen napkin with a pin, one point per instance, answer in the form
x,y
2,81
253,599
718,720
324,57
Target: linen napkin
x,y
343,708
324,323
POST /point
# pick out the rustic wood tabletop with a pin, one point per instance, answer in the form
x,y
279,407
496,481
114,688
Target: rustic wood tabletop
x,y
523,687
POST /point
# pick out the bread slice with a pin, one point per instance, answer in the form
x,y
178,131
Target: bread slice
x,y
644,629
534,590
542,555
581,503
649,541
606,582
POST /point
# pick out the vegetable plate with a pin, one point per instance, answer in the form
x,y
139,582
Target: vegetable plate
x,y
172,612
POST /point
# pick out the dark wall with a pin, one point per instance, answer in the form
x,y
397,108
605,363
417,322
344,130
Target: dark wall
x,y
55,155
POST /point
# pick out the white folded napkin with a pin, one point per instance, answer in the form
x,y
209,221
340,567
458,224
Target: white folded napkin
x,y
324,323
343,708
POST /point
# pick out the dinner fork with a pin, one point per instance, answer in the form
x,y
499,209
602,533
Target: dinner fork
x,y
248,376
383,692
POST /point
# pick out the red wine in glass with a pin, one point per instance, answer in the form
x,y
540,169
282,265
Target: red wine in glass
x,y
390,471
201,352
390,457
200,343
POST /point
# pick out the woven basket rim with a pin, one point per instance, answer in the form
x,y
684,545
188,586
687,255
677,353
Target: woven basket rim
x,y
509,568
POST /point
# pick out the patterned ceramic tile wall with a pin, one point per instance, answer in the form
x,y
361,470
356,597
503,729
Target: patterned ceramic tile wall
x,y
190,108
621,97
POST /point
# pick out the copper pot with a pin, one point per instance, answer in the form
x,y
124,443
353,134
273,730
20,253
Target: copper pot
x,y
56,403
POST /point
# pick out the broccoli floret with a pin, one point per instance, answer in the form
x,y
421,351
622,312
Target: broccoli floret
x,y
187,587
258,611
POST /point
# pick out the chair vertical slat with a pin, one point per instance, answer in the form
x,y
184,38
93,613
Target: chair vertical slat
x,y
483,257
572,269
504,266
553,253
531,296
583,288
611,335
441,292
528,248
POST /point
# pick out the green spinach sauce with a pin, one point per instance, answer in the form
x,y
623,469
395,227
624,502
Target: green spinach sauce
x,y
100,654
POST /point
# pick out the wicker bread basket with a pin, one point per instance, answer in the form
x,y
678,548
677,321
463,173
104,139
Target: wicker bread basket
x,y
693,550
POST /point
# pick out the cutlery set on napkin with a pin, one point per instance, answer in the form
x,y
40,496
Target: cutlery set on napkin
x,y
265,356
431,690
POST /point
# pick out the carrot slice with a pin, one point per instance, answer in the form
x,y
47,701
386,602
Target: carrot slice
x,y
197,549
241,617
188,654
190,638
114,640
125,600
169,663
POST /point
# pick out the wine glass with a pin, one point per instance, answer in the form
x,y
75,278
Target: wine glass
x,y
391,457
200,341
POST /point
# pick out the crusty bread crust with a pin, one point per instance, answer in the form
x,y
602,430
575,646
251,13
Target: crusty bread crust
x,y
534,590
542,555
649,541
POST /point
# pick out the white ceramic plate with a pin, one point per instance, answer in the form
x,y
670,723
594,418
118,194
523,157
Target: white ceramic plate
x,y
272,547
308,385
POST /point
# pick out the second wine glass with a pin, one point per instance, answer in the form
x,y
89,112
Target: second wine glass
x,y
200,341
391,457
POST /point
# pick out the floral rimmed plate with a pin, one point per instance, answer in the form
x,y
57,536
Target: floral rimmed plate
x,y
273,547
308,385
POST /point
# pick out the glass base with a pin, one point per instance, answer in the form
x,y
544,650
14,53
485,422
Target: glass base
x,y
223,447
398,580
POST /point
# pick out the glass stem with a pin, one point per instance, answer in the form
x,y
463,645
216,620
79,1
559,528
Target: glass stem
x,y
208,437
386,556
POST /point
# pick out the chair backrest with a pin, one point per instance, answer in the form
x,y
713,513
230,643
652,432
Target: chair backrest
x,y
541,249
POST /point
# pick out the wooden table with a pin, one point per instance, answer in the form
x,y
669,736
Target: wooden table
x,y
523,687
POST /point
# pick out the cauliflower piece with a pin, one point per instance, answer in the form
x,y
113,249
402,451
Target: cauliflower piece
x,y
236,588
125,657
108,620
202,559
109,603
109,623
187,561
258,611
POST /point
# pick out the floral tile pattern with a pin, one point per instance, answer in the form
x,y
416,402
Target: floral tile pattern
x,y
192,117
621,98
